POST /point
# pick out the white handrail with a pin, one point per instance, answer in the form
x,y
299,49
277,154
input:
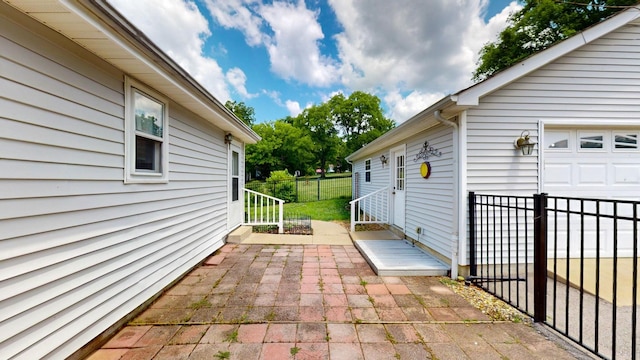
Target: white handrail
x,y
371,209
261,209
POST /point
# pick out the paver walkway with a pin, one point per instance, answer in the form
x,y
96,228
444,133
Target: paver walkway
x,y
315,302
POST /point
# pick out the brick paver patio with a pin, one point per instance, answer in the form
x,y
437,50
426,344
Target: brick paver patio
x,y
315,302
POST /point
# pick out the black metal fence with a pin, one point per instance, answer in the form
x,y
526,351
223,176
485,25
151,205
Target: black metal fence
x,y
303,189
571,263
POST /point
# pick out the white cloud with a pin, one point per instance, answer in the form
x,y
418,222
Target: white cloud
x,y
238,14
424,48
293,107
410,54
274,95
237,78
181,36
402,108
294,49
290,32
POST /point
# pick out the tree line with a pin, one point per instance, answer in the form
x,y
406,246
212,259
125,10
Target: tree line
x,y
319,138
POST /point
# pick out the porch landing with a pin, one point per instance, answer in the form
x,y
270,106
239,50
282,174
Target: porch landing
x,y
399,258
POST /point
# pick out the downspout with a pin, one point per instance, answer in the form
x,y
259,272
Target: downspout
x,y
455,237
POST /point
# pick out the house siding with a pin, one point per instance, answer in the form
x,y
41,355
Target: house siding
x,y
79,249
429,202
379,174
597,83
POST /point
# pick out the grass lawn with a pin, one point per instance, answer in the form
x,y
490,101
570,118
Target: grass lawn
x,y
325,210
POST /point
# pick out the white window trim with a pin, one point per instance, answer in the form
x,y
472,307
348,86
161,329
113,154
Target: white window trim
x,y
131,176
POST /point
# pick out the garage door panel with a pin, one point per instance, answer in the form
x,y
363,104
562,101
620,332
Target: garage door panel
x,y
626,174
592,174
558,174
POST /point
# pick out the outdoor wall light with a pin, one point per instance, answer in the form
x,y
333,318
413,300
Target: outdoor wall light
x,y
383,159
228,138
524,143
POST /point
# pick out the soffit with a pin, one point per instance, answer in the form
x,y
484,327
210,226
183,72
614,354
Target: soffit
x,y
98,28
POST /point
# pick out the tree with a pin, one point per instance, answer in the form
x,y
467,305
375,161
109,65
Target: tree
x,y
538,25
283,147
359,118
243,111
260,158
321,135
317,123
296,150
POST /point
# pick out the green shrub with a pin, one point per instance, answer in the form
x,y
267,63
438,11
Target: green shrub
x,y
281,184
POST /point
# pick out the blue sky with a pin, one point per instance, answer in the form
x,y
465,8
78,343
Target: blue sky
x,y
282,56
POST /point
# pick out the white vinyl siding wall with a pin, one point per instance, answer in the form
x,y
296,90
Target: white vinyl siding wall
x,y
379,175
430,201
597,83
79,249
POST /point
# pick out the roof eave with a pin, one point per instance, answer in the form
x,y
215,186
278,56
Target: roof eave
x,y
417,123
471,96
142,59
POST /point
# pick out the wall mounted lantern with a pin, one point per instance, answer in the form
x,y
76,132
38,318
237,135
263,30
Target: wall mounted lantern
x,y
524,143
228,138
383,160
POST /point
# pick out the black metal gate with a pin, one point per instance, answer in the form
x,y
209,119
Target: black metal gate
x,y
571,263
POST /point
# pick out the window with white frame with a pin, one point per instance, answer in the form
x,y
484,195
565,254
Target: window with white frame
x,y
367,170
557,140
235,176
625,141
591,140
146,138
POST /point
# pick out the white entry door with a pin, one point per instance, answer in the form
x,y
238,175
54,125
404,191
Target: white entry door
x,y
236,194
398,186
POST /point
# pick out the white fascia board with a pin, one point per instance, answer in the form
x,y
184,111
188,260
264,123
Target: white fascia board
x,y
202,108
472,95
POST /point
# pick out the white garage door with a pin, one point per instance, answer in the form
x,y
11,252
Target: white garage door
x,y
593,163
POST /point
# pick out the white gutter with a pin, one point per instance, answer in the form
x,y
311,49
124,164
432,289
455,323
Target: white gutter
x,y
456,192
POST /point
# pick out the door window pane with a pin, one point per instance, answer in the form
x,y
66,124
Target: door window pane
x,y
400,172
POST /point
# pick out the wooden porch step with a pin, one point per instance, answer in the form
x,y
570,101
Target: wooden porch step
x,y
238,235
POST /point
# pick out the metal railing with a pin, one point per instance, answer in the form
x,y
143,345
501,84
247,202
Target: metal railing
x,y
571,263
370,209
262,209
